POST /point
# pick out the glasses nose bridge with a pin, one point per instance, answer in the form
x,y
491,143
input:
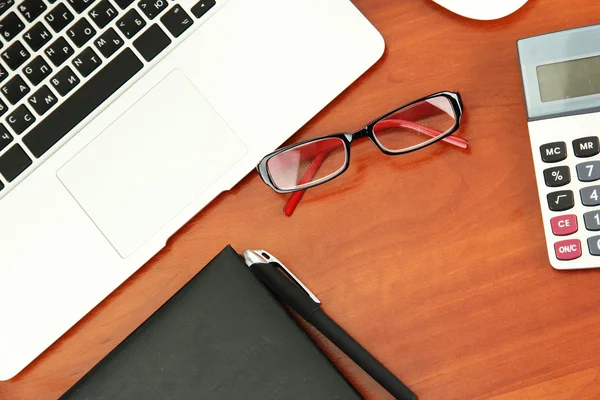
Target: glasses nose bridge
x,y
363,132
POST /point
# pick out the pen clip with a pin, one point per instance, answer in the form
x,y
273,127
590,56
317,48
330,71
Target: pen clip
x,y
262,256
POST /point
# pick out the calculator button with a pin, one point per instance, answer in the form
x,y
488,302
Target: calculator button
x,y
553,152
558,176
590,196
594,245
588,171
568,249
560,201
564,225
586,147
592,220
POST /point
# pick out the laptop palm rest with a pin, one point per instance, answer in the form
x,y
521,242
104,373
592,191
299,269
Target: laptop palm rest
x,y
150,163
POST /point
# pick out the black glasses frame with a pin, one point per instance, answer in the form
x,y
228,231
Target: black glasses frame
x,y
367,131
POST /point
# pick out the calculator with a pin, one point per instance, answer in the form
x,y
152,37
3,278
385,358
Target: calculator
x,y
561,81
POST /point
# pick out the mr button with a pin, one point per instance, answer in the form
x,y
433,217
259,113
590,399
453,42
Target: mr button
x,y
586,147
553,152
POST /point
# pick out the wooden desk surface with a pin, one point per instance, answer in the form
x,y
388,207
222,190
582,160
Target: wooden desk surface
x,y
435,261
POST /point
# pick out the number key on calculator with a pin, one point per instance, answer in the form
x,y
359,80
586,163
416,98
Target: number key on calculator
x,y
588,171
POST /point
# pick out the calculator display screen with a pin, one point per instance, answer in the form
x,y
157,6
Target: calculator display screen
x,y
569,79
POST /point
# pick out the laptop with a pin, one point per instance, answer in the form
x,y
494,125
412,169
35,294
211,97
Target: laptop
x,y
122,119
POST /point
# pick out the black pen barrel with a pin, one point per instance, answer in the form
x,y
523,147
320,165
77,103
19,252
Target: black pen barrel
x,y
360,356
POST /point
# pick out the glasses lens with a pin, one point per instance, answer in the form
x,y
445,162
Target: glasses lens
x,y
307,164
416,125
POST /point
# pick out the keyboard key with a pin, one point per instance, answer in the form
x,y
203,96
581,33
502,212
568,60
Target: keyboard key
x,y
131,24
5,5
588,171
202,7
11,26
59,17
65,81
3,108
84,101
590,196
14,162
20,119
557,176
15,89
103,13
560,201
553,152
31,9
80,5
152,42
42,100
81,32
152,7
3,74
59,51
37,36
592,220
594,245
87,62
586,147
15,55
564,225
37,70
108,43
5,137
568,249
123,3
177,21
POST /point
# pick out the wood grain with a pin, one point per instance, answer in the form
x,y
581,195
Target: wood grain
x,y
435,261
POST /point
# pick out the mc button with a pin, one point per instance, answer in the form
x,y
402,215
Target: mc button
x,y
553,152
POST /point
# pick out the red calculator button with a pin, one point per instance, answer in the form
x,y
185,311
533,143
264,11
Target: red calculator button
x,y
568,249
564,225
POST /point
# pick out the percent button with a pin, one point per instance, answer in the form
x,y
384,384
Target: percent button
x,y
557,176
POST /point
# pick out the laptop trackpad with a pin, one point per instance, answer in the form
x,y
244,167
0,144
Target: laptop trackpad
x,y
151,163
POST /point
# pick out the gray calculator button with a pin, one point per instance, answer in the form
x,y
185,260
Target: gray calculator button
x,y
590,196
592,220
588,171
594,245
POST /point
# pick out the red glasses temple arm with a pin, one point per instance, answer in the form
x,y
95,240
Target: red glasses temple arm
x,y
295,198
310,172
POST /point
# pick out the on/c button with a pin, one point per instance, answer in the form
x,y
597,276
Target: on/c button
x,y
564,225
568,249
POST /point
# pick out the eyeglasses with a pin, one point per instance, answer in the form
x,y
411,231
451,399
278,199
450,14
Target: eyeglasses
x,y
411,127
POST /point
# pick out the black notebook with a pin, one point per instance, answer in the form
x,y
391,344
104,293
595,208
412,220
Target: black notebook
x,y
222,336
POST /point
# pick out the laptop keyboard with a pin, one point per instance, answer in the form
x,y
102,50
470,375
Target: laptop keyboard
x,y
62,59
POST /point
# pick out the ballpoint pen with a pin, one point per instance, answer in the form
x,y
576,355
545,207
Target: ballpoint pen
x,y
289,289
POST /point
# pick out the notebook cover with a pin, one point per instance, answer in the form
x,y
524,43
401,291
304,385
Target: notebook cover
x,y
222,336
